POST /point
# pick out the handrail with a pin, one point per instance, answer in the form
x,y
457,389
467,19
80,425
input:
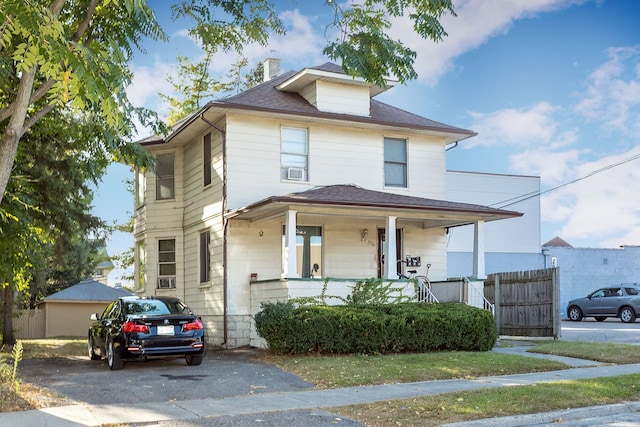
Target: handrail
x,y
487,305
424,290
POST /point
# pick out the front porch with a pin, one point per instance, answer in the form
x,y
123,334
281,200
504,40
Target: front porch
x,y
453,290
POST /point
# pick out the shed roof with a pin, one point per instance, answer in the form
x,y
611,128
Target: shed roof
x,y
557,242
88,290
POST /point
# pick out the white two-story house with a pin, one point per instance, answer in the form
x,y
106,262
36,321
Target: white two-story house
x,y
301,179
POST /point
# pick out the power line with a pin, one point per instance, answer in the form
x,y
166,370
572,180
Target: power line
x,y
531,195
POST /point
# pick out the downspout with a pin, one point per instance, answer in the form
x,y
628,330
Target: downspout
x,y
225,321
455,144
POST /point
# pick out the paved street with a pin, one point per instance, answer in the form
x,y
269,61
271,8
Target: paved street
x,y
611,330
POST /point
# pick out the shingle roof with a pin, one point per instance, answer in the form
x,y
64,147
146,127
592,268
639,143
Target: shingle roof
x,y
266,97
88,290
353,195
557,242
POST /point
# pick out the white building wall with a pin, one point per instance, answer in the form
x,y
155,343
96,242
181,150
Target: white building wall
x,y
341,98
514,235
337,155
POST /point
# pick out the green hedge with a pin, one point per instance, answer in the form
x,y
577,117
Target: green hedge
x,y
375,329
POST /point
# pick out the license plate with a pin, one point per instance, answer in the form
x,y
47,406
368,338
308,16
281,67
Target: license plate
x,y
165,330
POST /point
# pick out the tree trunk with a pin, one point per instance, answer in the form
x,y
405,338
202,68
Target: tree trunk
x,y
8,338
14,130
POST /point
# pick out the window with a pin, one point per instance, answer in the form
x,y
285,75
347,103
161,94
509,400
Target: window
x,y
140,265
294,152
395,162
165,177
140,187
166,263
308,251
205,240
207,160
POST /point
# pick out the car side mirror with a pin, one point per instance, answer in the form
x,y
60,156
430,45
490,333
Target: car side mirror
x,y
94,316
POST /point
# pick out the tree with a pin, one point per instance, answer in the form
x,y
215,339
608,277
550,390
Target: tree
x,y
75,53
72,56
49,239
193,85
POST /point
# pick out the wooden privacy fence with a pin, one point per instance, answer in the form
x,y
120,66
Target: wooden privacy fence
x,y
30,324
527,303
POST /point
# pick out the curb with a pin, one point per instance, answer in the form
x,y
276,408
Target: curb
x,y
553,417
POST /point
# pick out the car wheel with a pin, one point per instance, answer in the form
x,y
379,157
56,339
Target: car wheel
x,y
601,318
114,360
627,315
193,359
91,348
575,314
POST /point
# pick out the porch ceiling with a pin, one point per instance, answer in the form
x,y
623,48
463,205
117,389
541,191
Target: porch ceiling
x,y
350,200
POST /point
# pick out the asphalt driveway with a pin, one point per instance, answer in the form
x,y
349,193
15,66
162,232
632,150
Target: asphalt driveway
x,y
221,374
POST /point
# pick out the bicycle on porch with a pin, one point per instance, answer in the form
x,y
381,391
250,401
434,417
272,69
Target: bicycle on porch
x,y
424,292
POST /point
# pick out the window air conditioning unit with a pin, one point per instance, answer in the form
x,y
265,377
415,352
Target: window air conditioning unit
x,y
295,174
166,282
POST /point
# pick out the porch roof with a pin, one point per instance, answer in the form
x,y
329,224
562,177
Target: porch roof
x,y
351,200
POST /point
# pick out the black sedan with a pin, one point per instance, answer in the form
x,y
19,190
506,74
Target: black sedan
x,y
614,301
136,328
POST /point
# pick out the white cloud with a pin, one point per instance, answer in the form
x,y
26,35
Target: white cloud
x,y
476,22
602,207
301,46
612,94
524,127
553,168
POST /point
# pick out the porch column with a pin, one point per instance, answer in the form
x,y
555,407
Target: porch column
x,y
390,261
290,261
478,251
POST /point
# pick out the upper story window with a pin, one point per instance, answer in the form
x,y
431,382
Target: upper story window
x,y
165,179
294,154
207,160
140,187
395,162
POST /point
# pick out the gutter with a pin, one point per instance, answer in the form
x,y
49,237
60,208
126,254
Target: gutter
x,y
225,222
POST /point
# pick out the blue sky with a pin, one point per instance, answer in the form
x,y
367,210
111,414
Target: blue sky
x,y
552,87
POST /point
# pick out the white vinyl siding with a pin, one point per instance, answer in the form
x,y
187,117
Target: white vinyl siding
x,y
337,155
338,98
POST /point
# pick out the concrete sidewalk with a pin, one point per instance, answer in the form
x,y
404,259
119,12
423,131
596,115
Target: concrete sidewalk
x,y
96,415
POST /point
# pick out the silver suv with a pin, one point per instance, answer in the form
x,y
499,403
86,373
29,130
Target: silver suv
x,y
621,301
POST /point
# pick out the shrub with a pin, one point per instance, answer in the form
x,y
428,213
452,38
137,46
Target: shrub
x,y
375,328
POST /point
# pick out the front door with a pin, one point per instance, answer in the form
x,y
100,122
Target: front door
x,y
382,247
